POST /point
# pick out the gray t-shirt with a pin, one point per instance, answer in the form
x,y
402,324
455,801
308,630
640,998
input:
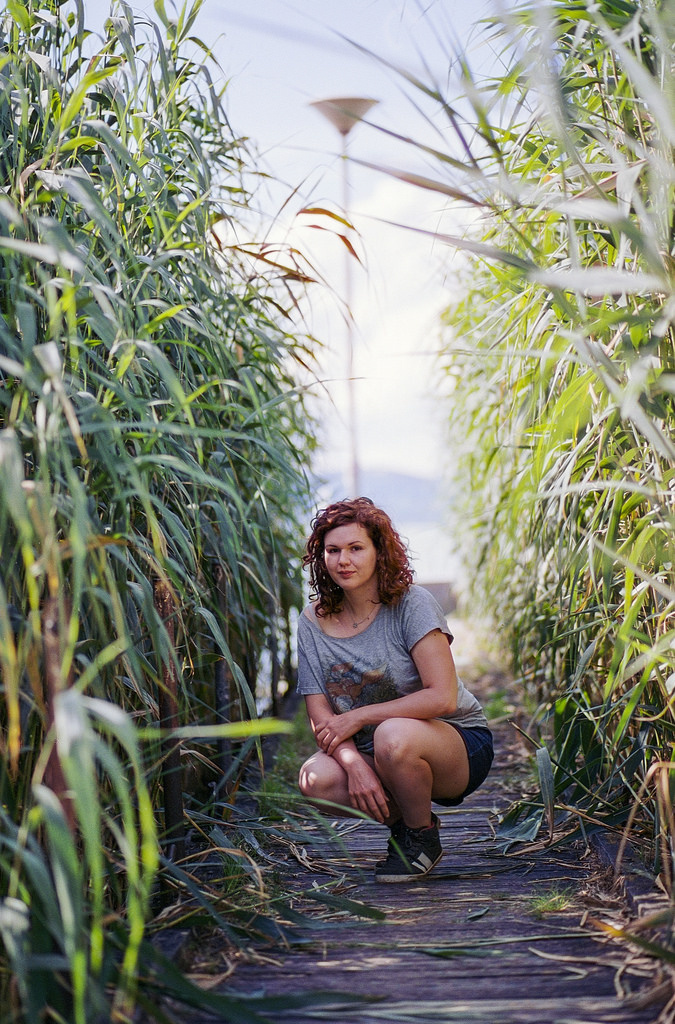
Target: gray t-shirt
x,y
375,666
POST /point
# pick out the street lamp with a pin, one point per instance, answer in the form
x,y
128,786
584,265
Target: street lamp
x,y
343,113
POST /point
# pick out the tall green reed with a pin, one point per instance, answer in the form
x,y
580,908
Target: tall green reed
x,y
560,364
57,916
153,446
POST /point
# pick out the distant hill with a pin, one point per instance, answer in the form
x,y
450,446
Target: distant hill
x,y
406,498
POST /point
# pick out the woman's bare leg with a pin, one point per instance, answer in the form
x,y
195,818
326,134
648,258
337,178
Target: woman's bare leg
x,y
419,760
324,782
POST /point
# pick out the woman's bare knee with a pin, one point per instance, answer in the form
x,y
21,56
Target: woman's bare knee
x,y
319,776
394,741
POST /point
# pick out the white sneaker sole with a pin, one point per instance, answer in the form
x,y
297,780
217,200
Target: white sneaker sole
x,y
410,876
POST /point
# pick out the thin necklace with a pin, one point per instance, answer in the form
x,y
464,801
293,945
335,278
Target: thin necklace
x,y
355,625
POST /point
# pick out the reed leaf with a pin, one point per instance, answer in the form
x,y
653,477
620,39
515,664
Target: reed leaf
x,y
153,439
559,359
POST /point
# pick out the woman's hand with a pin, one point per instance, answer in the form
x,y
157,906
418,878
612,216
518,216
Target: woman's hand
x,y
333,735
332,730
366,793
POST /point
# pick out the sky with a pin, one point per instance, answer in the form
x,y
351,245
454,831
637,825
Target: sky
x,y
278,56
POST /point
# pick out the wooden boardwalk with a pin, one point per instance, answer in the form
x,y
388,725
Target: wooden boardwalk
x,y
465,944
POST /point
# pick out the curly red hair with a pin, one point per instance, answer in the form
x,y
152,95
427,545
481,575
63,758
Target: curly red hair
x,y
394,572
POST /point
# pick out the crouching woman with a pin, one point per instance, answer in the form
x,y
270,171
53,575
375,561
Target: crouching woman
x,y
395,726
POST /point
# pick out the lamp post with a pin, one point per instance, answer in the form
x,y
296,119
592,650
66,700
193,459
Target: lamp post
x,y
343,113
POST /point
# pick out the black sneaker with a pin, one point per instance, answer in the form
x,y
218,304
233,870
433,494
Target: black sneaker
x,y
411,853
395,840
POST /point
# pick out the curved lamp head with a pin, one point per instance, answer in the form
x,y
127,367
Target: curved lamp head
x,y
344,112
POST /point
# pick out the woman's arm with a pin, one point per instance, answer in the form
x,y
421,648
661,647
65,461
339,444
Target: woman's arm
x,y
366,793
319,712
437,698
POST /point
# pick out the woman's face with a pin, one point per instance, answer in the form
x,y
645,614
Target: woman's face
x,y
350,557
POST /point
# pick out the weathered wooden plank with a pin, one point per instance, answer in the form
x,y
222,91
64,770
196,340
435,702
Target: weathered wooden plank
x,y
462,944
480,1011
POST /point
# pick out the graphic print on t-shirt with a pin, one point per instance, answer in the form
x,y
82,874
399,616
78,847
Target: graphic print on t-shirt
x,y
348,688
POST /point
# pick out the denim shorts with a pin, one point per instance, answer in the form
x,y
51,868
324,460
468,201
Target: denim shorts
x,y
478,743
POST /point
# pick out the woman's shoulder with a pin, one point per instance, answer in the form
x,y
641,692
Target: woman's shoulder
x,y
414,601
309,618
309,612
419,605
311,623
417,596
308,629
